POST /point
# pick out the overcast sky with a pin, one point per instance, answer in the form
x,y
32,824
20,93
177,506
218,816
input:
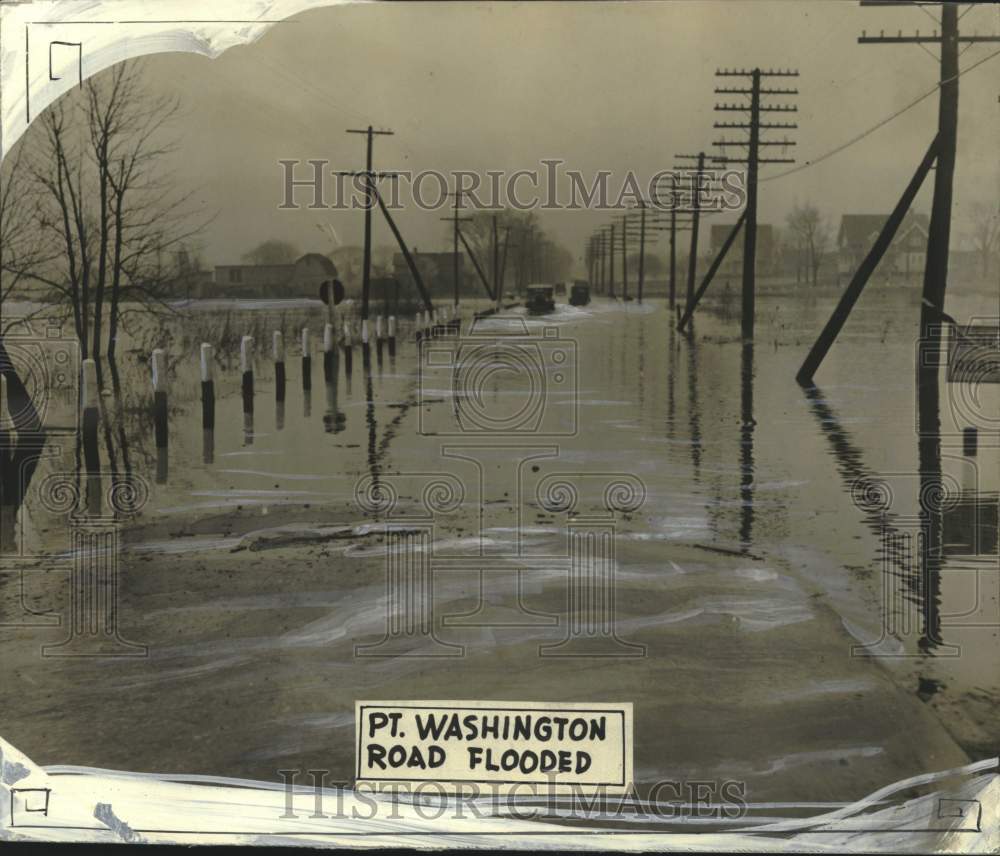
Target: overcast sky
x,y
601,86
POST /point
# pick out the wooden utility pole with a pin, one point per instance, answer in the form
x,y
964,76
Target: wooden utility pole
x,y
673,240
941,155
697,183
455,220
939,230
625,257
642,247
496,263
602,256
611,261
753,161
854,288
414,270
641,232
370,133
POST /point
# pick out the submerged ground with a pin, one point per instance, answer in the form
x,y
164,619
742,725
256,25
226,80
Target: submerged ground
x,y
764,627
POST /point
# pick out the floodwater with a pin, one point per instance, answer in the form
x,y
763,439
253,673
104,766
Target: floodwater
x,y
766,609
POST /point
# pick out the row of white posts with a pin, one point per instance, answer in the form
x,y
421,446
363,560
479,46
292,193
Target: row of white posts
x,y
427,325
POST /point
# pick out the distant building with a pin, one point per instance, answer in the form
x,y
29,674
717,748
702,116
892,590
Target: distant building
x,y
438,274
302,278
767,256
906,254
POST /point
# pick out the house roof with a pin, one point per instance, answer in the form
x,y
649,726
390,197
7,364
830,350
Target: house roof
x,y
861,229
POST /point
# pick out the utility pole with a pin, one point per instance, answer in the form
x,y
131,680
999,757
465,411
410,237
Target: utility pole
x,y
496,264
642,247
939,230
611,264
941,156
601,256
753,161
641,232
697,184
369,175
625,257
455,220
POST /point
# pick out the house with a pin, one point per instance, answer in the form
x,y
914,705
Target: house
x,y
767,256
300,279
906,254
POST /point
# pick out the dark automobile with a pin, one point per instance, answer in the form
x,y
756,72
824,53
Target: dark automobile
x,y
539,299
579,294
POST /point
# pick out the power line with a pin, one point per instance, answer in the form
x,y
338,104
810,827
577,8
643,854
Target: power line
x,y
878,125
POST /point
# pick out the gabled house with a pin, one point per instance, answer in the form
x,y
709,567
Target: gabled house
x,y
300,279
906,254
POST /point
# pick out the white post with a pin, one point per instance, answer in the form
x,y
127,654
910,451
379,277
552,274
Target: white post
x,y
159,363
347,334
246,354
328,338
207,363
364,331
305,341
278,347
378,326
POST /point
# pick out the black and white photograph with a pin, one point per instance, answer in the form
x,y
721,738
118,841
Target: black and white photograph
x,y
500,425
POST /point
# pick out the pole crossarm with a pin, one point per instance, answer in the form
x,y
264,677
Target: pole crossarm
x,y
747,160
764,126
731,91
749,72
764,108
747,143
918,39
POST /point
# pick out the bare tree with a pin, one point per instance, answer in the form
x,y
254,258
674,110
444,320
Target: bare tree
x,y
986,232
21,249
808,225
105,210
272,252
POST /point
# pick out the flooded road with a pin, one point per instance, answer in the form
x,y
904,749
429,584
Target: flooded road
x,y
753,583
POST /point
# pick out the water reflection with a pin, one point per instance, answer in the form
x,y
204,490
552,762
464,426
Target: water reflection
x,y
672,346
951,518
162,465
370,421
694,411
333,420
747,426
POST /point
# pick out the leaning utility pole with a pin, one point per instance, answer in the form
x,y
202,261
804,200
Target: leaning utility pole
x,y
940,155
369,175
753,161
939,230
